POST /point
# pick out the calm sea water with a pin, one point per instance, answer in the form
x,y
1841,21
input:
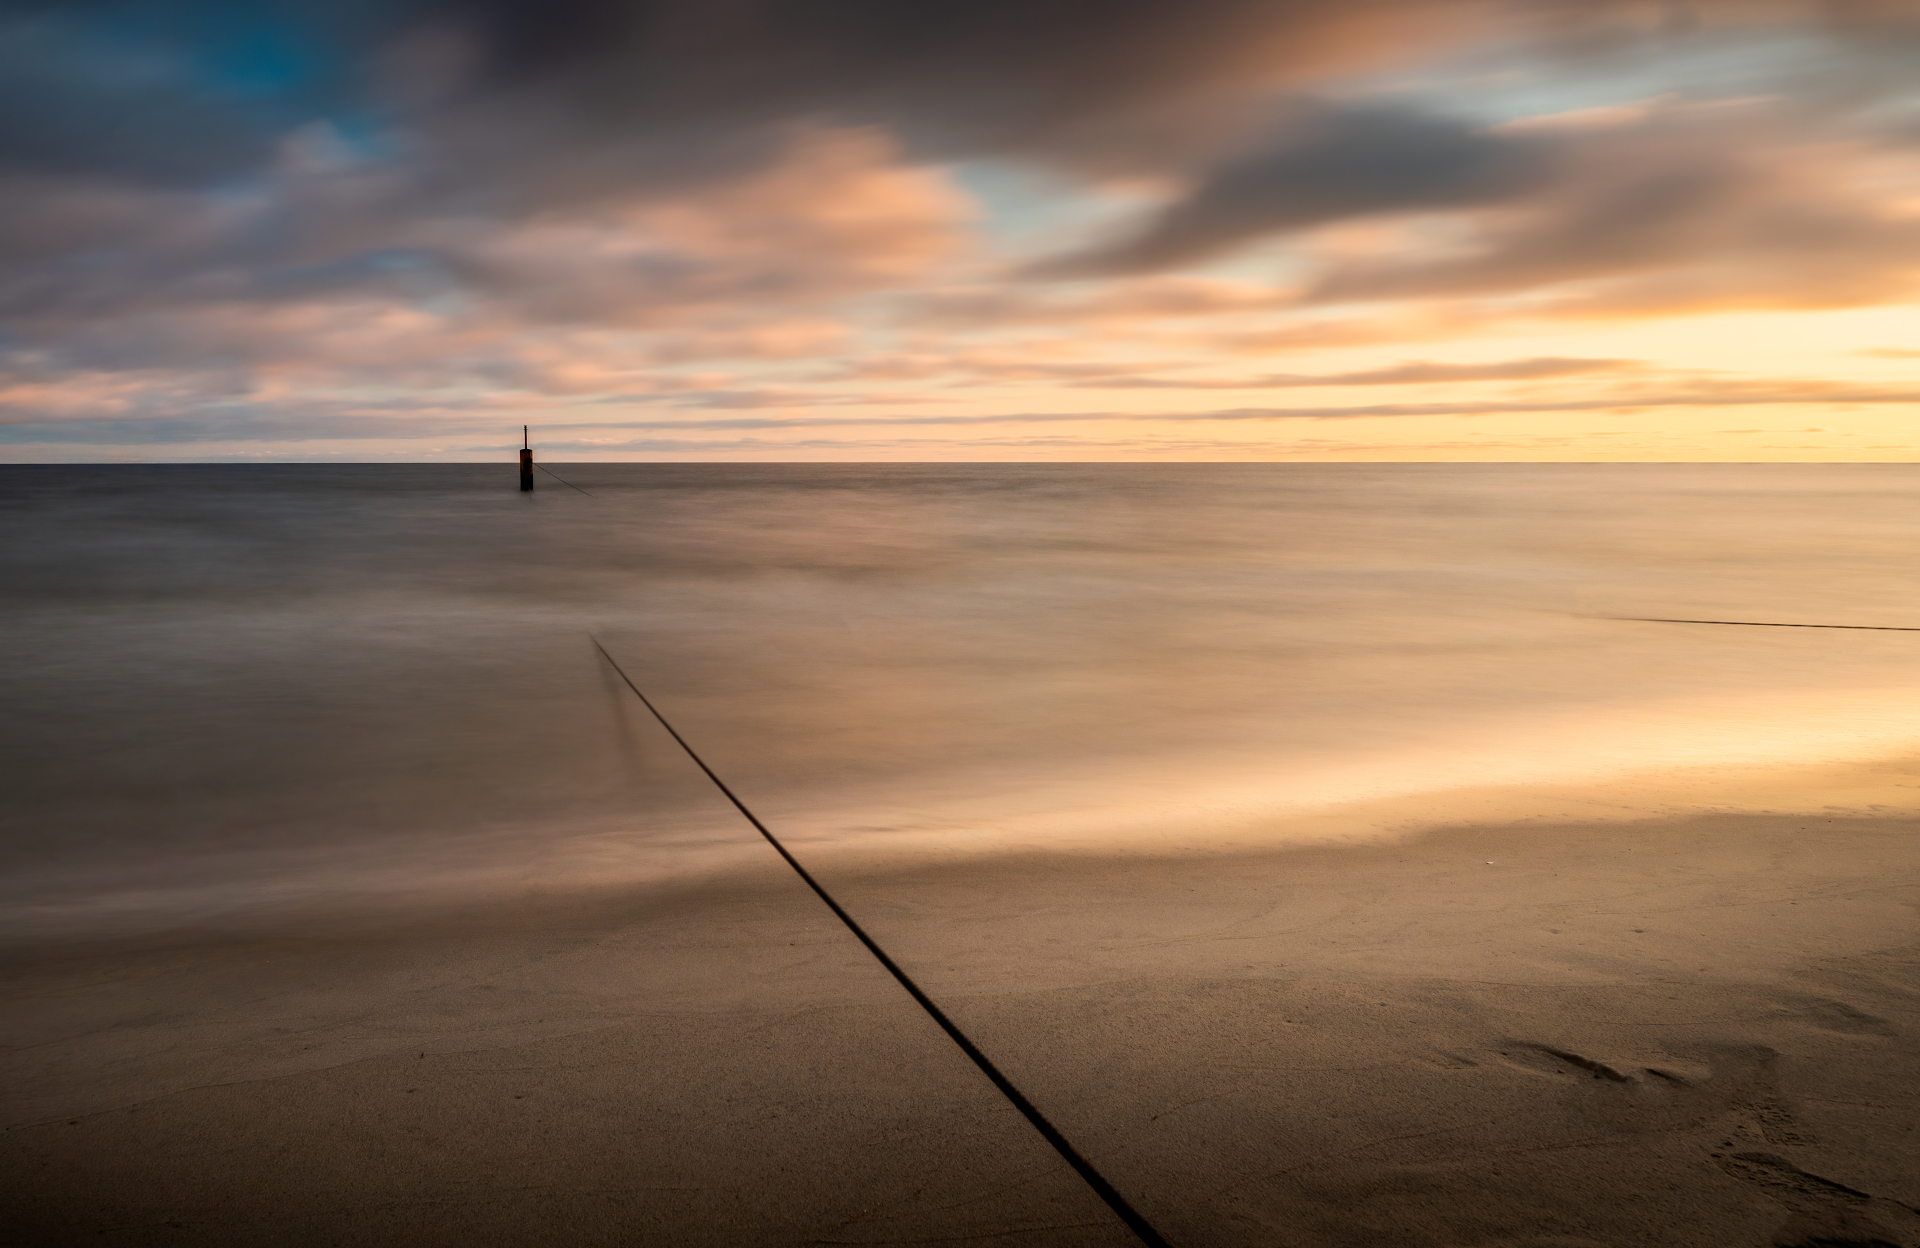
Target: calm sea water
x,y
231,689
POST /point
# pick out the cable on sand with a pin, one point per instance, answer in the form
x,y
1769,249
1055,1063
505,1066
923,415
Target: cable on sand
x,y
1084,1168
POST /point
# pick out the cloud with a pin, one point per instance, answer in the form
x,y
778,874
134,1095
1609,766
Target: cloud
x,y
309,421
493,89
336,276
1099,86
832,212
836,216
1720,395
1336,164
1137,300
1412,373
1092,83
1036,362
402,209
1660,209
1688,210
180,95
298,424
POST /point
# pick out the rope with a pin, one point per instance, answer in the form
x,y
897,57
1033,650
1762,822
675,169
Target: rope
x,y
1654,619
1084,1168
570,485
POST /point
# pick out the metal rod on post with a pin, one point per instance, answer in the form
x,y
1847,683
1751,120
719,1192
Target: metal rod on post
x,y
526,459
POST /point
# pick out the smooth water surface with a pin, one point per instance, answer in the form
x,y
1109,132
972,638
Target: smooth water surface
x,y
236,688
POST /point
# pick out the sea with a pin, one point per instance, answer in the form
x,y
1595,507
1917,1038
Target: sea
x,y
235,693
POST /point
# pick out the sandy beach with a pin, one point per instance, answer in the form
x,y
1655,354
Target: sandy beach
x,y
1674,1032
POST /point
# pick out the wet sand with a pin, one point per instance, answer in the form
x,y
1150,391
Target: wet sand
x,y
1680,1032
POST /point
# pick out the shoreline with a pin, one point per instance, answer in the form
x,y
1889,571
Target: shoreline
x,y
1599,1032
599,861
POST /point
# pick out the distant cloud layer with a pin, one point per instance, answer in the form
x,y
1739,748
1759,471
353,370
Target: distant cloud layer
x,y
1399,375
312,227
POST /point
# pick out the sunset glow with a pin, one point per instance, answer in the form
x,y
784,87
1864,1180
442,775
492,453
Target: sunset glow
x,y
1218,230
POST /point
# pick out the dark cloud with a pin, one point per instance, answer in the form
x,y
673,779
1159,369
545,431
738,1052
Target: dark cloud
x,y
1837,71
531,101
1088,80
1689,210
632,91
1092,84
62,112
177,92
1671,207
1332,166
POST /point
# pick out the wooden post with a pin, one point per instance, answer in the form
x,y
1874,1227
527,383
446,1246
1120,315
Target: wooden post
x,y
526,460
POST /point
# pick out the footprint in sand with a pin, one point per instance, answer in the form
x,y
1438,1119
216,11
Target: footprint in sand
x,y
1839,1016
1826,1214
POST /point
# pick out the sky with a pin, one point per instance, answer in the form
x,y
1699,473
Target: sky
x,y
1480,230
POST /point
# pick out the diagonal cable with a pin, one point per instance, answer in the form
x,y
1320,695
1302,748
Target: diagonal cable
x,y
1084,1168
563,481
1654,619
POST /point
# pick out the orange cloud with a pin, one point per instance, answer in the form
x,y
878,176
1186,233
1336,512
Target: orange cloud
x,y
1411,373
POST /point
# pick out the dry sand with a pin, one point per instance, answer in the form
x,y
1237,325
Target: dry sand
x,y
1694,1032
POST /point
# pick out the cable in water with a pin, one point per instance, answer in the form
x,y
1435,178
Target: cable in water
x,y
570,485
1654,619
1084,1168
